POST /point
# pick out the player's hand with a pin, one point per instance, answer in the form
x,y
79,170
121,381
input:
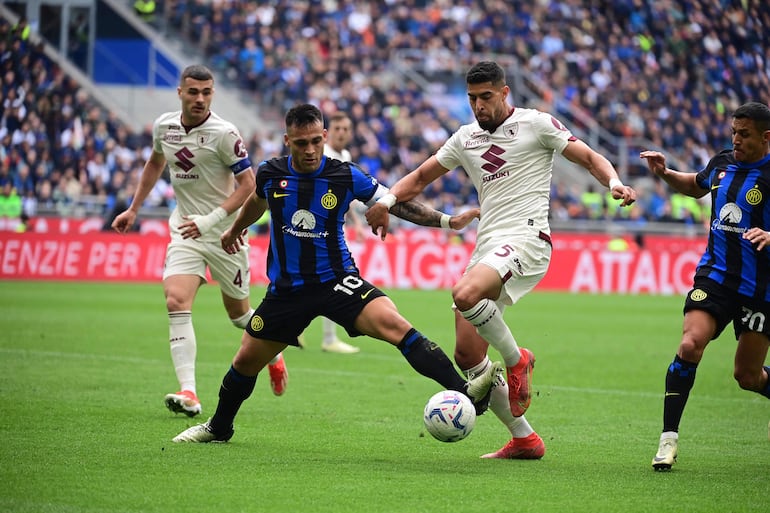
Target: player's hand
x,y
232,241
757,236
460,221
189,229
378,217
626,193
124,221
196,225
656,162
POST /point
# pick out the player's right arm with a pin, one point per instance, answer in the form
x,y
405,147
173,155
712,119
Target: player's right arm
x,y
150,175
684,183
252,209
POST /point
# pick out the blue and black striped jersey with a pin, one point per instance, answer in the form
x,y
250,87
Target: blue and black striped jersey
x,y
307,240
739,201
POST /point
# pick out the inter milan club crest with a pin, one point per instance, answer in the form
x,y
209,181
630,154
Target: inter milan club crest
x,y
203,139
511,130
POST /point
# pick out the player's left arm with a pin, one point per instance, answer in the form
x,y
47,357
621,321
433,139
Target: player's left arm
x,y
246,185
597,164
233,153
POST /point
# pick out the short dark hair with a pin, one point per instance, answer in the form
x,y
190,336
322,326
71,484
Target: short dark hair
x,y
486,71
303,115
758,112
197,72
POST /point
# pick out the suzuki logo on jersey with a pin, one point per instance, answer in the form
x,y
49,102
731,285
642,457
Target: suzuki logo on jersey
x,y
185,164
303,223
494,163
730,215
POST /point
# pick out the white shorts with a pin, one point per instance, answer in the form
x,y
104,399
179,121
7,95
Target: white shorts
x,y
521,264
189,256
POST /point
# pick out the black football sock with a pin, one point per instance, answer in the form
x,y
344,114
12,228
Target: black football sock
x,y
235,389
430,360
679,381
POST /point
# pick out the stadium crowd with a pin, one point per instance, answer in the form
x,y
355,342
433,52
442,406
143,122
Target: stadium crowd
x,y
670,72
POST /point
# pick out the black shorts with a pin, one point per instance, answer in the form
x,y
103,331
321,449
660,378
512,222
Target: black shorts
x,y
282,317
725,305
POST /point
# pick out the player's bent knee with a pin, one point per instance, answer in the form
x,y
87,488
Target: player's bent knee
x,y
748,380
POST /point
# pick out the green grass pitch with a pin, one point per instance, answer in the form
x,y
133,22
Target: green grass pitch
x,y
84,367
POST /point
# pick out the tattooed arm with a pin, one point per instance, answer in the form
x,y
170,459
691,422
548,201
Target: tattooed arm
x,y
419,213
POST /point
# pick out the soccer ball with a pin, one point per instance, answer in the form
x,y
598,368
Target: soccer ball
x,y
449,416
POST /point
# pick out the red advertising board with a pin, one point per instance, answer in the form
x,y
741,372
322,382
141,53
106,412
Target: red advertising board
x,y
427,259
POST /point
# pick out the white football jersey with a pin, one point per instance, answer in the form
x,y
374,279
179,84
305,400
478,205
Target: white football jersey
x,y
511,169
343,155
203,164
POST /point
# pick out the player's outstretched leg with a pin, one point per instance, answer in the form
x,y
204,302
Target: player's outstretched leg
x,y
235,389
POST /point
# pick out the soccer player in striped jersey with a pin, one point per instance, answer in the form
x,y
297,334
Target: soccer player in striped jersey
x,y
206,158
732,279
340,132
312,272
508,154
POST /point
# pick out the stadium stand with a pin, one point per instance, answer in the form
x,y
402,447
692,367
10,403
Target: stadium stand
x,y
668,73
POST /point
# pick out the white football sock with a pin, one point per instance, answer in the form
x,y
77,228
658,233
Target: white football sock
x,y
329,330
500,406
183,347
488,320
498,403
669,434
243,320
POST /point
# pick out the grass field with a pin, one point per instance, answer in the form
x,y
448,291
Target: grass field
x,y
84,367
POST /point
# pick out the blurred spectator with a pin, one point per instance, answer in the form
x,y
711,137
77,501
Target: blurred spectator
x,y
10,207
145,9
